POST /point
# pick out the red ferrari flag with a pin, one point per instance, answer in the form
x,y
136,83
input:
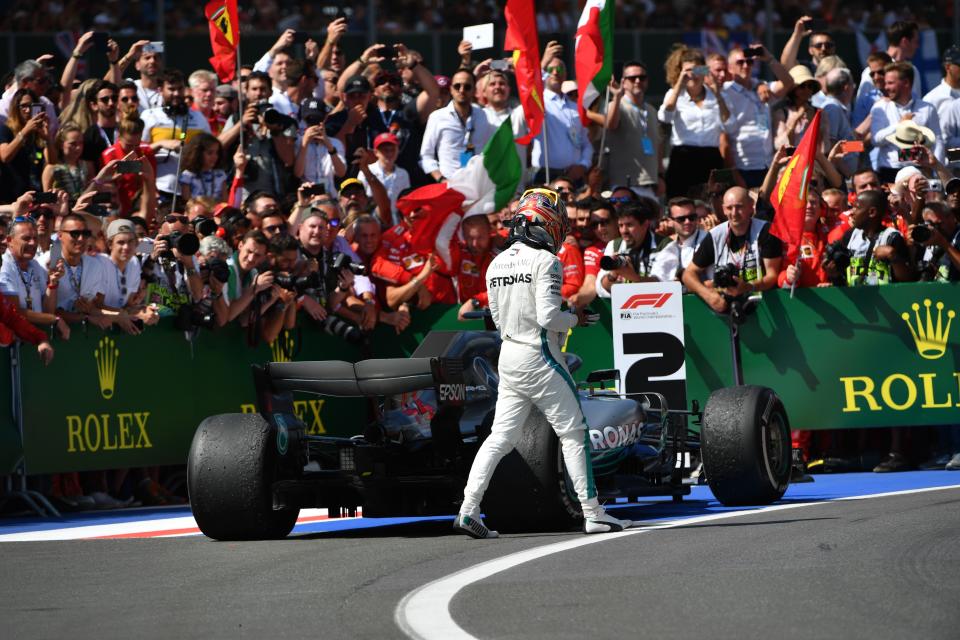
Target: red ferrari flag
x,y
522,40
224,37
436,230
789,198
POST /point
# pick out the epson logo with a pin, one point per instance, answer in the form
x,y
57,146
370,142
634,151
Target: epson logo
x,y
502,281
615,437
453,392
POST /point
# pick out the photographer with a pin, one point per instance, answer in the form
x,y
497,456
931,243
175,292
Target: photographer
x,y
675,255
214,273
939,238
738,258
171,268
279,304
878,254
168,128
630,257
246,279
270,144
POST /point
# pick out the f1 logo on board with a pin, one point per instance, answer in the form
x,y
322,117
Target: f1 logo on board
x,y
655,300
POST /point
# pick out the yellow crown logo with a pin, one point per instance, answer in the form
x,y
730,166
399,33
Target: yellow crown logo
x,y
282,346
107,356
931,339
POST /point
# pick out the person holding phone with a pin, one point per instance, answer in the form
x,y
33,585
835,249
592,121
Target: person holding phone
x,y
72,174
31,75
820,46
838,89
136,192
699,115
320,158
25,147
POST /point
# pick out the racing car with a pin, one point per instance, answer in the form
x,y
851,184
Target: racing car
x,y
249,475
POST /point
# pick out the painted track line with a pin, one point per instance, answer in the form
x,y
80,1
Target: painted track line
x,y
424,613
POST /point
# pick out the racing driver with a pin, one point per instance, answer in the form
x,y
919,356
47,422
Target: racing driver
x,y
523,284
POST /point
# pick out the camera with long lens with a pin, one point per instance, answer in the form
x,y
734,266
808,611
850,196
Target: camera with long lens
x,y
921,233
725,276
186,243
193,316
273,118
298,284
205,226
611,263
177,109
837,253
217,269
340,328
338,263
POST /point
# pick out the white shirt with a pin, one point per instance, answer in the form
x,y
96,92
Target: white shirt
x,y
941,96
47,104
885,116
160,126
950,124
692,125
749,126
264,63
13,281
115,282
394,183
447,136
318,165
85,280
675,255
866,82
567,139
149,98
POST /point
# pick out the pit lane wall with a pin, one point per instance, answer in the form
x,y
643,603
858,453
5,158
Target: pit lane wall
x,y
838,358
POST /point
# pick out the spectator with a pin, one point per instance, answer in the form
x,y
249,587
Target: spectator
x,y
821,45
743,242
166,129
224,106
258,205
947,92
599,228
674,256
78,110
571,259
149,64
393,178
499,107
301,81
79,297
270,145
455,133
128,103
636,150
838,88
475,256
902,121
940,260
135,192
636,248
331,94
320,158
256,93
26,145
751,130
102,102
568,149
202,85
903,40
808,270
30,76
790,122
878,253
246,278
278,309
23,281
122,293
201,171
171,273
213,256
699,115
950,123
72,173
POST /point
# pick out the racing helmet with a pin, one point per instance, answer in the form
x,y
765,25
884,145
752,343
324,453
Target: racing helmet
x,y
540,220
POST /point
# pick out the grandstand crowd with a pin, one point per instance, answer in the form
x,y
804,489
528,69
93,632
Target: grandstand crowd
x,y
272,201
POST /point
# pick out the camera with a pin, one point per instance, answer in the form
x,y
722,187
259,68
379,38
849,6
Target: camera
x,y
186,243
753,52
837,253
192,316
217,269
176,110
340,262
724,276
921,233
340,328
205,226
273,118
299,285
610,263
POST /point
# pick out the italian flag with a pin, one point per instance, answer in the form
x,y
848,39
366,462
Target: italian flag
x,y
485,185
593,53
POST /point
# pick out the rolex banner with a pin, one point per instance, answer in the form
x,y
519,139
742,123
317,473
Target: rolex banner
x,y
838,357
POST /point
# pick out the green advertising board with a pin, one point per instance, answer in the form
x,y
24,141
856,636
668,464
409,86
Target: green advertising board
x,y
838,357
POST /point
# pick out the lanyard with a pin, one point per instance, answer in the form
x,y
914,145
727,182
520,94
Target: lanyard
x,y
25,276
75,279
106,138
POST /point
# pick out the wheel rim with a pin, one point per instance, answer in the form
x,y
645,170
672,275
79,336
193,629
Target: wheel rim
x,y
774,438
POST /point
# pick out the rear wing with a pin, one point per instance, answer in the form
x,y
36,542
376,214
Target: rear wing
x,y
369,378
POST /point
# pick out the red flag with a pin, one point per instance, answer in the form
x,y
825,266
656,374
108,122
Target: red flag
x,y
436,231
522,40
224,37
789,198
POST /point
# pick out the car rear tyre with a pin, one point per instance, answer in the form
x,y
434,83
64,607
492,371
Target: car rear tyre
x,y
745,443
230,473
530,490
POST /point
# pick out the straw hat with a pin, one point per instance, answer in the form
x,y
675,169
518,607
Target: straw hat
x,y
802,76
909,133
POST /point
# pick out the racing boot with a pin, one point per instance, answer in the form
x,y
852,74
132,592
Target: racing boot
x,y
605,523
473,526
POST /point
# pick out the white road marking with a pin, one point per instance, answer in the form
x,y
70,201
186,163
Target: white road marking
x,y
424,613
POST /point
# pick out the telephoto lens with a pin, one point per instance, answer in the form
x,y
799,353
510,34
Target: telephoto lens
x,y
609,263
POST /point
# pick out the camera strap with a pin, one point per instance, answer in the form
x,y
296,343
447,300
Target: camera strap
x,y
868,258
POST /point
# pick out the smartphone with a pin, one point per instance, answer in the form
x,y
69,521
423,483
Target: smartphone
x,y
45,197
300,37
817,26
500,65
129,166
753,52
315,190
722,176
153,47
788,150
910,154
100,41
953,155
102,198
36,109
852,146
701,70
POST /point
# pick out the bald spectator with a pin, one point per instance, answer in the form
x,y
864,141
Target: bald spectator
x,y
838,89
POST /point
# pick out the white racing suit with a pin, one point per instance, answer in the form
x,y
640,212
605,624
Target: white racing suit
x,y
523,285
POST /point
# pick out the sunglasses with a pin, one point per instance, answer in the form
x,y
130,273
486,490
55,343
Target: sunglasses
x,y
107,99
130,99
123,286
174,218
620,199
745,62
77,234
687,218
823,45
274,228
597,222
462,86
556,69
29,219
333,222
878,72
639,78
389,80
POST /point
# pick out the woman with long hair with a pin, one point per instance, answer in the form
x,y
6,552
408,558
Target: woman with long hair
x,y
73,173
696,109
25,146
78,111
201,173
790,121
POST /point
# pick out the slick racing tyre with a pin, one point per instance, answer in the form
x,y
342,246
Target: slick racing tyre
x,y
230,472
530,490
745,443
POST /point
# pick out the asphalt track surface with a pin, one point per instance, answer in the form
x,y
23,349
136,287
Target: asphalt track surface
x,y
822,563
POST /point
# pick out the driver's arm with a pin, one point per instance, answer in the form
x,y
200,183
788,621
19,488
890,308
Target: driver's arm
x,y
549,280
